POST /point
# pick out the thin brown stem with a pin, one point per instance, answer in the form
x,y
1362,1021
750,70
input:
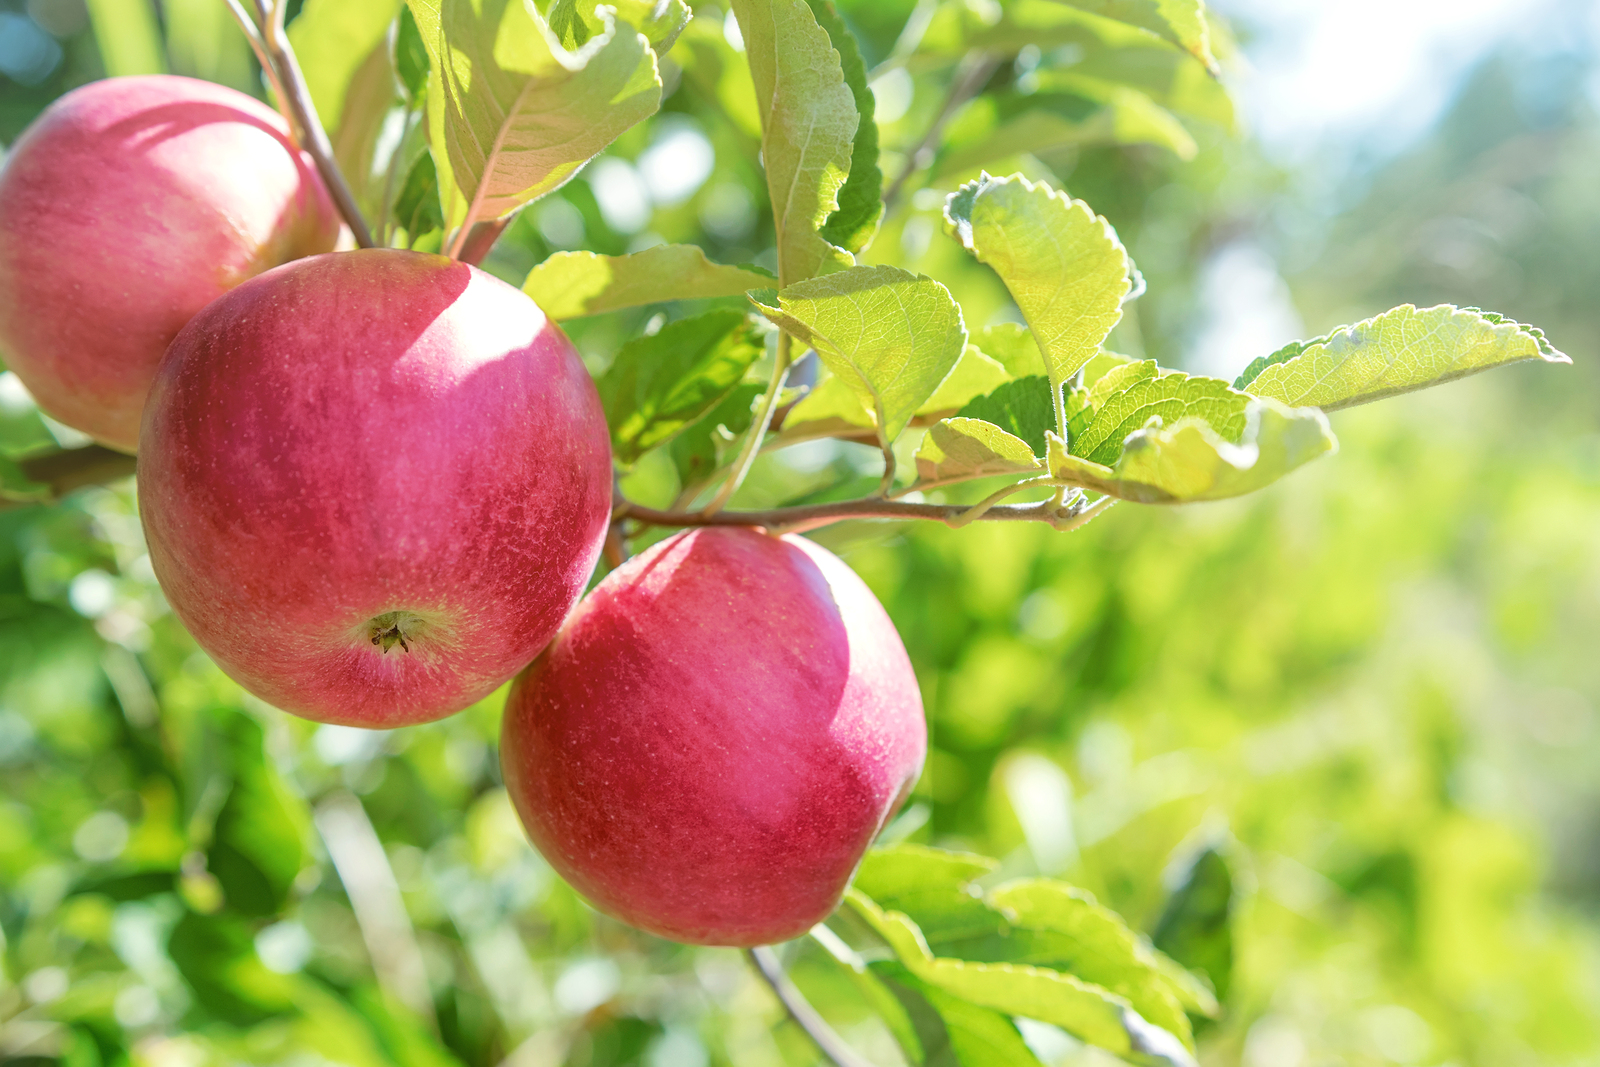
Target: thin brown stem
x,y
810,516
806,1017
978,68
313,137
252,33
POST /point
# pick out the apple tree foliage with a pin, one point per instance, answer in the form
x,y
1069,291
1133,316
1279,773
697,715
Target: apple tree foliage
x,y
175,923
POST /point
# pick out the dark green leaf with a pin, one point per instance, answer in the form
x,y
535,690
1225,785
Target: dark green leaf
x,y
411,58
696,451
416,209
1196,928
853,226
660,384
1022,408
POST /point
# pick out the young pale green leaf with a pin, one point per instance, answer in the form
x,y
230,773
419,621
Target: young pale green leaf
x,y
660,384
1196,927
697,451
959,449
808,123
1096,945
1062,263
854,225
576,22
512,114
1087,1011
1127,398
368,101
891,335
1012,344
1396,352
332,39
1189,461
932,887
1183,22
569,285
1021,407
975,374
949,1031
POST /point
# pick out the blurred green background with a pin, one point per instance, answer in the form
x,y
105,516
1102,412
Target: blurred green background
x,y
1365,699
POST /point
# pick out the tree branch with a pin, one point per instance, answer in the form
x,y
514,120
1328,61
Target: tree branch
x,y
1062,516
800,1010
313,137
66,469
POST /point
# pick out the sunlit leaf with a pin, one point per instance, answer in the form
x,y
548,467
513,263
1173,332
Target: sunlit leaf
x,y
1190,461
1062,263
572,284
1066,109
950,1031
512,114
661,383
974,375
808,124
1087,1011
1127,398
891,335
1183,22
1396,352
830,408
576,22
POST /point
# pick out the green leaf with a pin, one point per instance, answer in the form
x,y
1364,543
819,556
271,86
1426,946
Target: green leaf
x,y
416,209
975,374
1399,351
891,335
572,284
216,956
1067,109
513,115
1189,461
369,98
854,225
1096,945
949,1031
1012,344
1196,928
1062,263
808,123
1021,407
258,840
1086,1011
832,408
203,41
660,384
696,451
411,58
332,39
933,887
1183,22
1128,397
128,36
576,22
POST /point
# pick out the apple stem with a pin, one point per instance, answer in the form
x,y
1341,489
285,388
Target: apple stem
x,y
1068,515
278,60
800,1010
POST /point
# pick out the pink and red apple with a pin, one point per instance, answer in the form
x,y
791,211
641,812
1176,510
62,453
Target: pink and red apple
x,y
373,483
128,206
715,737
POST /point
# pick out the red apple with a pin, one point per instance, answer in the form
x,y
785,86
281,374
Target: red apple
x,y
128,206
715,737
373,483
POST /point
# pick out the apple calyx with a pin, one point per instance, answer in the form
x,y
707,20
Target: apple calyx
x,y
394,628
